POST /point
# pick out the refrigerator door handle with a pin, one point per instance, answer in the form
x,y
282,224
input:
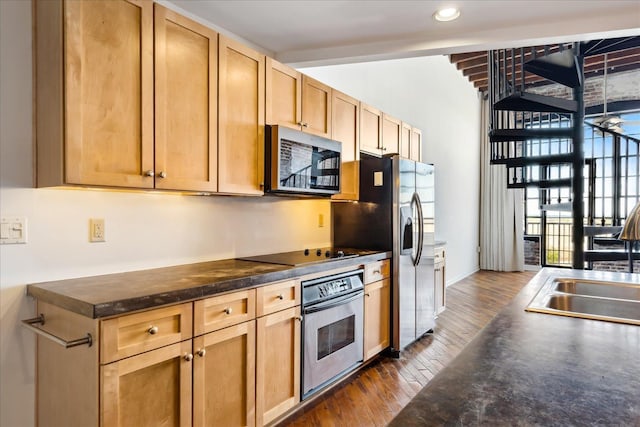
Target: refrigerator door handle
x,y
416,199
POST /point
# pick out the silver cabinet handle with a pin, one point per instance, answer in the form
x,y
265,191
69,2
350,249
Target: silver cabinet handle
x,y
228,310
152,330
299,318
377,272
162,174
201,352
280,297
149,173
188,357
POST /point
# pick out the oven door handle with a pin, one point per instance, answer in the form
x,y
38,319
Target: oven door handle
x,y
334,302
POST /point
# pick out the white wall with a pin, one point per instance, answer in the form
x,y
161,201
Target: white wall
x,y
143,230
432,95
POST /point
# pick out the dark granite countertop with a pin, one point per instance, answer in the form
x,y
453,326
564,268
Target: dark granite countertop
x,y
526,369
120,293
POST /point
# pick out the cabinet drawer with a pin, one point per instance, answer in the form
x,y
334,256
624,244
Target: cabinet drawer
x,y
377,271
278,296
127,335
219,312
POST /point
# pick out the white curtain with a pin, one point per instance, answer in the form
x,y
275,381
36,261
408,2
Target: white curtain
x,y
501,211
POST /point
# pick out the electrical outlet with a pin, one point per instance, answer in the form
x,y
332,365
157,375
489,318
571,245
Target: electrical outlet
x,y
320,220
96,230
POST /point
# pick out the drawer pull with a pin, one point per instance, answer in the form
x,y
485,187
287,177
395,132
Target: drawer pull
x,y
152,330
377,272
299,318
28,323
280,297
188,357
367,295
201,352
228,310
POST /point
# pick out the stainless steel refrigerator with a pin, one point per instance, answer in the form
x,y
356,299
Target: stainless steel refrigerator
x,y
396,212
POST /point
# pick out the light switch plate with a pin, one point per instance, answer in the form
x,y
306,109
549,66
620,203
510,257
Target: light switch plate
x,y
13,230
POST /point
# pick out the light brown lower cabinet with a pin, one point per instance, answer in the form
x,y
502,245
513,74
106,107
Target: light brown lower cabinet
x,y
211,362
224,377
377,306
277,364
439,279
150,389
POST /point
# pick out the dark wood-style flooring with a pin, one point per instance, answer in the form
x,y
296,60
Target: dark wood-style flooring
x,y
379,391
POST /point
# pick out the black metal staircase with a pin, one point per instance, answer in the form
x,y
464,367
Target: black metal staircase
x,y
539,138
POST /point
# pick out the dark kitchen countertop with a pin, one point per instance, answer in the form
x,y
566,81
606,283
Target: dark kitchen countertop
x,y
120,293
538,369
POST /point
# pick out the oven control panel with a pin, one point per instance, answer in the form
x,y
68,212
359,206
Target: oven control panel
x,y
329,287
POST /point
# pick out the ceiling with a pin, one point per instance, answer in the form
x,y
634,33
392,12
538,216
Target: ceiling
x,y
306,33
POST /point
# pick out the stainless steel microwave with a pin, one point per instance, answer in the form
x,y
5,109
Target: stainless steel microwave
x,y
300,163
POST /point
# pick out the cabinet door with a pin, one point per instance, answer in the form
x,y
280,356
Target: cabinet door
x,y
316,107
438,272
416,144
150,389
370,129
241,118
224,377
405,141
283,96
186,99
391,130
109,93
278,364
377,306
345,127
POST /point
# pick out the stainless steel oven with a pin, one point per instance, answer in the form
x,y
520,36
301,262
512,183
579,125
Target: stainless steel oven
x,y
332,329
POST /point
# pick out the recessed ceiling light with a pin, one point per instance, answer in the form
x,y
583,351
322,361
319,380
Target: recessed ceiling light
x,y
446,14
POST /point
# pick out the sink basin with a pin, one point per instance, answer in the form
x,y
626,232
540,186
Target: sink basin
x,y
598,289
589,299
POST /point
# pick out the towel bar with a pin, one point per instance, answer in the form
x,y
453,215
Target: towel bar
x,y
28,323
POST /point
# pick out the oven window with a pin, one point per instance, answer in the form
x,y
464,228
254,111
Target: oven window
x,y
335,336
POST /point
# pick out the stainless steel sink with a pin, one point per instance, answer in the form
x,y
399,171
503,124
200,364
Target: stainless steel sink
x,y
592,288
589,299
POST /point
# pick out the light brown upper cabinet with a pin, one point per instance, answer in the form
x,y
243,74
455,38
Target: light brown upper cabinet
x,y
316,107
186,100
405,141
370,129
411,142
95,96
241,77
296,101
416,144
345,118
94,93
283,95
391,130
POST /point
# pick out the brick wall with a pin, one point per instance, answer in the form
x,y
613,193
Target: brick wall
x,y
532,250
623,86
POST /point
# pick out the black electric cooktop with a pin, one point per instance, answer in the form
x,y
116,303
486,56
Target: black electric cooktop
x,y
306,256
